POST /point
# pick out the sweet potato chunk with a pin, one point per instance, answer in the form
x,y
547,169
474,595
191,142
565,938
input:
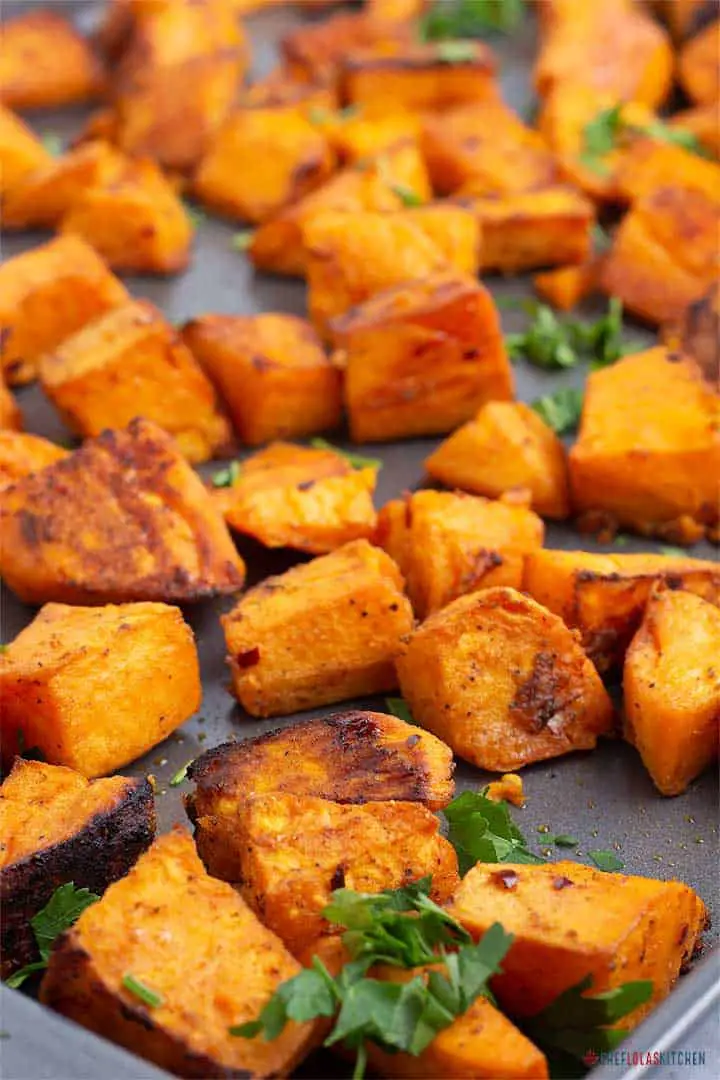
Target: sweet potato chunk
x,y
447,544
571,921
699,66
648,165
21,153
290,158
10,415
322,632
45,63
671,682
503,682
653,468
122,518
59,827
349,757
297,497
95,688
505,447
46,294
703,124
316,51
22,454
287,853
271,371
141,928
131,362
356,137
604,596
568,286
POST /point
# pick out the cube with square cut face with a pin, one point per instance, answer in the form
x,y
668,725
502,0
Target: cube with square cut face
x,y
45,62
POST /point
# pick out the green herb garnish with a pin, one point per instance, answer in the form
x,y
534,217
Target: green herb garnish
x,y
63,909
456,52
3,648
53,144
197,216
482,830
606,860
470,18
561,411
676,552
226,477
358,461
407,196
607,131
180,775
400,708
143,992
552,343
241,241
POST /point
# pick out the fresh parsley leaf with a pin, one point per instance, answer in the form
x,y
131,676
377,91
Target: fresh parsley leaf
x,y
197,216
482,830
470,18
358,461
62,910
53,144
455,52
308,994
676,552
688,140
607,131
3,648
400,708
226,477
561,410
180,775
606,860
242,240
142,991
552,343
407,196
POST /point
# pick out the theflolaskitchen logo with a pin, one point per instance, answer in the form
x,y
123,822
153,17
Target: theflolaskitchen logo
x,y
684,1059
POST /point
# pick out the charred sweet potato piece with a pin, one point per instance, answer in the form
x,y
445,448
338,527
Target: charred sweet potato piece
x,y
316,51
141,928
450,544
698,336
507,446
122,518
279,87
503,681
349,757
290,158
46,294
298,497
131,362
604,596
21,153
671,683
653,468
699,66
22,454
287,853
421,358
95,688
45,63
59,827
10,415
271,371
570,921
356,137
320,633
568,286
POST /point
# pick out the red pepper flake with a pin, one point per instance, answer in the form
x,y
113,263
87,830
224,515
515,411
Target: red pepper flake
x,y
248,659
507,878
562,883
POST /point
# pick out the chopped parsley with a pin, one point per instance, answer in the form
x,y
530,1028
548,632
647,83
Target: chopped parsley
x,y
62,910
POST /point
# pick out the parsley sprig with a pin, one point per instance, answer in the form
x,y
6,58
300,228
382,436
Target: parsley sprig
x,y
358,461
64,908
555,344
608,131
470,18
561,410
226,477
481,830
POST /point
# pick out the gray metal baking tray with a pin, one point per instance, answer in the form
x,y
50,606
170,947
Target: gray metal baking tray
x,y
604,797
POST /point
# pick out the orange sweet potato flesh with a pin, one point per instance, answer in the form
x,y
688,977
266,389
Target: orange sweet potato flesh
x,y
568,286
316,51
58,827
21,153
503,681
322,632
131,362
272,372
699,66
46,294
356,137
447,544
348,757
653,469
649,165
604,596
702,123
10,415
122,518
671,684
286,854
302,498
95,688
141,927
45,63
421,358
570,921
22,454
507,446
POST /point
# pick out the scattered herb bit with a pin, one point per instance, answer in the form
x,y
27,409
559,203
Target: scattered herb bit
x,y
481,830
621,540
400,708
456,52
358,461
3,648
4,1034
606,860
53,144
470,18
226,477
664,133
143,992
318,115
561,410
180,775
608,131
552,343
197,216
407,196
241,241
602,240
63,909
563,840
677,552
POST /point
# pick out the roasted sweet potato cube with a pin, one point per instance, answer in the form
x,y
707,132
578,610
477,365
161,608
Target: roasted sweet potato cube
x,y
654,468
45,63
349,757
671,684
21,153
279,87
271,371
290,157
649,164
450,544
10,415
136,221
503,681
570,921
456,234
287,853
699,66
682,16
604,596
312,500
95,688
22,454
316,51
421,358
507,446
702,123
527,230
418,77
356,137
59,827
132,362
46,294
652,266
320,633
122,518
141,928
568,286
